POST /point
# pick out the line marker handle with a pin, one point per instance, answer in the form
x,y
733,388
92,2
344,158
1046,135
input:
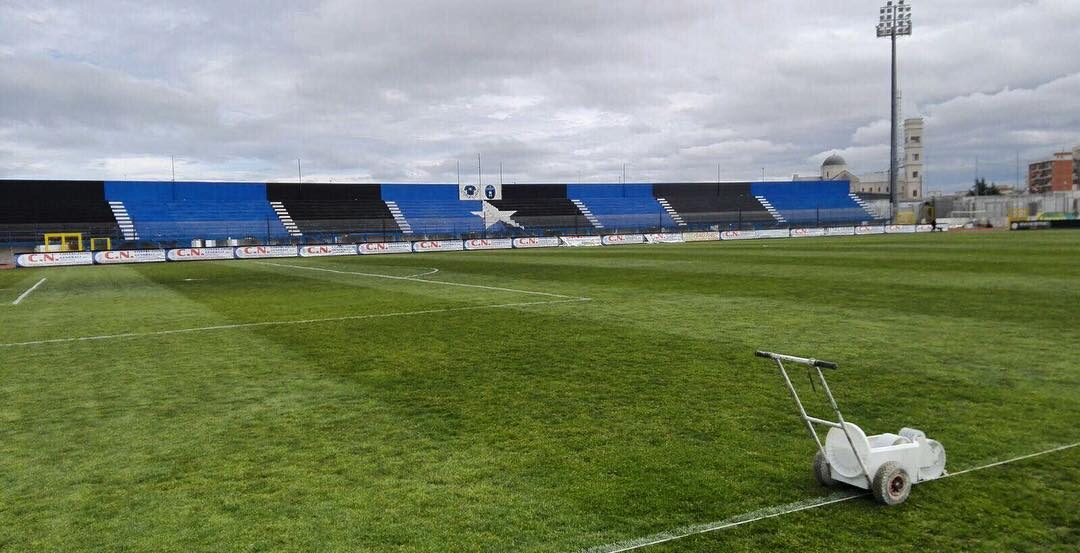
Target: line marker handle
x,y
800,360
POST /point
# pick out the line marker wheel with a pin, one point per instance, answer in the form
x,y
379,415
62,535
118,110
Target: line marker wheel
x,y
892,485
821,470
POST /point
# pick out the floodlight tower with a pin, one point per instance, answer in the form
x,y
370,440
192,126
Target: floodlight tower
x,y
895,21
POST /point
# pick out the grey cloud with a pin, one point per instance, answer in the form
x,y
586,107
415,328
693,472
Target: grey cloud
x,y
398,91
55,92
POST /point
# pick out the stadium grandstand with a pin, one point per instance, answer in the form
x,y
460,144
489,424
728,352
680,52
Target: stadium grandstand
x,y
161,214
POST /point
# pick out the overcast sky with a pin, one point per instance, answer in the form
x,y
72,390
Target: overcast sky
x,y
402,90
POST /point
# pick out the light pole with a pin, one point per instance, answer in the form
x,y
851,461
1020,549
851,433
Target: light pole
x,y
895,21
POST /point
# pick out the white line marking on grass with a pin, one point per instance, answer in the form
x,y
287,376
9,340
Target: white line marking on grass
x,y
27,293
414,279
283,323
1013,460
738,520
426,273
779,510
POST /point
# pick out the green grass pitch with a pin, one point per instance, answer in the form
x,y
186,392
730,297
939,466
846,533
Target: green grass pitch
x,y
433,417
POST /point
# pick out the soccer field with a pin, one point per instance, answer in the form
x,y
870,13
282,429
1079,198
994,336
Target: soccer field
x,y
554,400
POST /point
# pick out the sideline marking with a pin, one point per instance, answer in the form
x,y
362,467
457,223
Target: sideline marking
x,y
779,510
27,293
286,322
414,279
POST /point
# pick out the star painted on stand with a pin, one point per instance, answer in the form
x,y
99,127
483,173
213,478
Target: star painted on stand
x,y
493,215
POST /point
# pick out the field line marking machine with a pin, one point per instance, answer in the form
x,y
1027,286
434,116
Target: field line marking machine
x,y
885,464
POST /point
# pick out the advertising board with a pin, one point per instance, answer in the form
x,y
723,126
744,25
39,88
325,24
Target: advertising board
x,y
664,238
438,246
262,252
807,232
376,248
578,241
738,235
323,250
773,233
199,254
536,242
129,256
618,239
54,259
489,244
701,236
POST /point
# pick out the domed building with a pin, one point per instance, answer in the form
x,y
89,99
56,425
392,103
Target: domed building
x,y
834,168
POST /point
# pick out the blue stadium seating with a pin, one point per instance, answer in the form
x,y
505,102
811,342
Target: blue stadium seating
x,y
622,206
811,202
434,208
179,212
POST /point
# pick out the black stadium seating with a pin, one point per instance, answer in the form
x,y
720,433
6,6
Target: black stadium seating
x,y
542,206
31,208
322,208
720,203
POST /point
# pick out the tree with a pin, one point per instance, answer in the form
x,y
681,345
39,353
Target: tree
x,y
982,189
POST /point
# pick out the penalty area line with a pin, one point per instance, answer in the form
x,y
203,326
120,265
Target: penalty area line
x,y
27,292
413,278
780,510
285,323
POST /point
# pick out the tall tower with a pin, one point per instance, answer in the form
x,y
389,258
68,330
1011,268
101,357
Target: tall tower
x,y
911,187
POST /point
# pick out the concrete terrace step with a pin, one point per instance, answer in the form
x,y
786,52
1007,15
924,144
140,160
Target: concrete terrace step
x,y
286,219
123,220
399,217
588,214
671,212
866,206
772,210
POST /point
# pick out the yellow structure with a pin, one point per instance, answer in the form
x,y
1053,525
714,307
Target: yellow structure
x,y
905,218
65,240
94,242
